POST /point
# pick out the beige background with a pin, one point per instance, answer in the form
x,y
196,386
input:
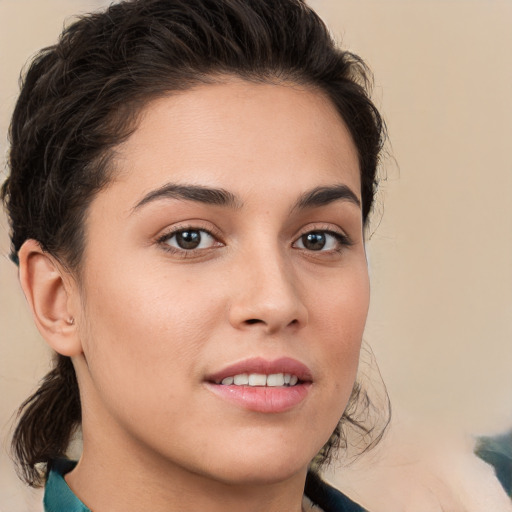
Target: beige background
x,y
441,258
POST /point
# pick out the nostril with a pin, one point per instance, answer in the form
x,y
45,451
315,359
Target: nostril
x,y
253,321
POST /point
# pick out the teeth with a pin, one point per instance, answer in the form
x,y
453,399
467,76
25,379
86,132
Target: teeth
x,y
241,380
257,379
260,379
276,379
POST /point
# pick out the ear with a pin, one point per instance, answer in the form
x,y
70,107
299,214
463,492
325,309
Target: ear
x,y
52,295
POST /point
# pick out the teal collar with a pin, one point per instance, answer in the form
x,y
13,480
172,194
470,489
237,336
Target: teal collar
x,y
58,497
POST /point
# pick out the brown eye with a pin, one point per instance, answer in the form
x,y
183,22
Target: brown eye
x,y
314,241
322,241
190,239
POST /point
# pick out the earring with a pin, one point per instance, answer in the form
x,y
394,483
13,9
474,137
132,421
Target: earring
x,y
70,321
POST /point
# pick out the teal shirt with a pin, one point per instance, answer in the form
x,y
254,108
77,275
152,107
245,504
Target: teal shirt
x,y
58,497
497,451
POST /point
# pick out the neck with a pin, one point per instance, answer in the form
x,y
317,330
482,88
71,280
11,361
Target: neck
x,y
124,486
115,476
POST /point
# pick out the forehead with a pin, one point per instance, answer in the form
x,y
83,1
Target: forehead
x,y
238,135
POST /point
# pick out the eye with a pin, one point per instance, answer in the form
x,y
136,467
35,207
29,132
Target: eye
x,y
321,241
189,239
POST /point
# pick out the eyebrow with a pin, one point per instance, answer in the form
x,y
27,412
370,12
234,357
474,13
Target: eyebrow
x,y
319,196
322,196
198,193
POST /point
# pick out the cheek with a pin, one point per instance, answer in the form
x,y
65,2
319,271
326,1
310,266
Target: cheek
x,y
337,319
141,347
340,317
141,334
341,306
139,307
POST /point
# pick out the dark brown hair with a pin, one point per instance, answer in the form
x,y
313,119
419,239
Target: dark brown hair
x,y
81,97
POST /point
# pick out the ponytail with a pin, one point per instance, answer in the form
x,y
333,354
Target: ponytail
x,y
46,422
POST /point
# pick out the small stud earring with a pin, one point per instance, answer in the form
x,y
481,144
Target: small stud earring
x,y
70,321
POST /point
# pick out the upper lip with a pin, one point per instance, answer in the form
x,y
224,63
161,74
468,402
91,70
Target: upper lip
x,y
264,366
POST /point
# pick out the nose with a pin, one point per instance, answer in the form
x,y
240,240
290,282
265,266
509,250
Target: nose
x,y
266,296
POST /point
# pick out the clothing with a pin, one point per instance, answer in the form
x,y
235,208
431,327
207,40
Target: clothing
x,y
58,497
328,498
497,451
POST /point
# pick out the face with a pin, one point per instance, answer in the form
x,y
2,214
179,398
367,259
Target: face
x,y
224,285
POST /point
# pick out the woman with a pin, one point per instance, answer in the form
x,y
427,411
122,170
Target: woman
x,y
189,186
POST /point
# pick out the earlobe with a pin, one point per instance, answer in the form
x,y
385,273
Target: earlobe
x,y
48,291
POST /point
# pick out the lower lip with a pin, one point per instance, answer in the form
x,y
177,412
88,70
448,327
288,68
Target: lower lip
x,y
262,398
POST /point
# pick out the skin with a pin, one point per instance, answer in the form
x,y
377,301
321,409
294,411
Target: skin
x,y
151,321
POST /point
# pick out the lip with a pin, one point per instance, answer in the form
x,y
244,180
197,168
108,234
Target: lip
x,y
263,399
261,365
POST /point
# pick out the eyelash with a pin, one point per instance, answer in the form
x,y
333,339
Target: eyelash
x,y
165,238
342,239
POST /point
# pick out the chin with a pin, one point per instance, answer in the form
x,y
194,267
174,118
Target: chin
x,y
271,472
261,465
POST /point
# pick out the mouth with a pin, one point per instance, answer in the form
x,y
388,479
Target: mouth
x,y
260,379
263,386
